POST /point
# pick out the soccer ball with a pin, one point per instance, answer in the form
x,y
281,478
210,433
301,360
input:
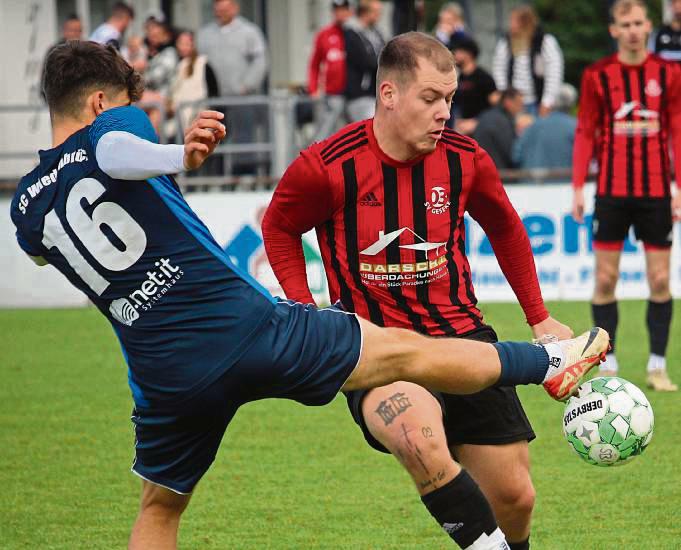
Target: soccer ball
x,y
608,422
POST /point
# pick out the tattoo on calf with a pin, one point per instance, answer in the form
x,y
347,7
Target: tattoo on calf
x,y
434,481
392,407
427,432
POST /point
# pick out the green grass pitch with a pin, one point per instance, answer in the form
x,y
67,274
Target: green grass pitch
x,y
289,476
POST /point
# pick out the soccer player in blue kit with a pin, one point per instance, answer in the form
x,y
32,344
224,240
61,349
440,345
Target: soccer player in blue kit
x,y
200,336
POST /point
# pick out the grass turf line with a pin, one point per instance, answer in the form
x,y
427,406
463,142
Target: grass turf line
x,y
288,476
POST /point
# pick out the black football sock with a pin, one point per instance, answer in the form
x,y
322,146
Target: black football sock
x,y
606,316
658,319
461,510
524,545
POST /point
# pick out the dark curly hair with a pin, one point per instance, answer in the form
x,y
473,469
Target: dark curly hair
x,y
76,68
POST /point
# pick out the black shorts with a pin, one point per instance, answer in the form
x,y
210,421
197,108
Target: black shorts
x,y
651,218
493,416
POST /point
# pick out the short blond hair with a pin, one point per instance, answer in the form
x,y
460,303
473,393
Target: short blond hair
x,y
625,6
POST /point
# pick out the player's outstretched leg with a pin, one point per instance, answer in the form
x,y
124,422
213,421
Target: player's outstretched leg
x,y
159,518
466,366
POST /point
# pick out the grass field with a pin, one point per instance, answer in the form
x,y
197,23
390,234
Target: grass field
x,y
288,476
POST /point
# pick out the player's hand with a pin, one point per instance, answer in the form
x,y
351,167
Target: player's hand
x,y
578,205
676,206
552,327
202,137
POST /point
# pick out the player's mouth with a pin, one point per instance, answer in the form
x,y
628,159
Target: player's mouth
x,y
436,134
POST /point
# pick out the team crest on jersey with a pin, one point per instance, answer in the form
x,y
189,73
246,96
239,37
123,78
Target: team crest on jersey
x,y
653,88
439,201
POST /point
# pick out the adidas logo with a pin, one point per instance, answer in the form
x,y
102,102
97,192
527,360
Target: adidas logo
x,y
369,200
452,527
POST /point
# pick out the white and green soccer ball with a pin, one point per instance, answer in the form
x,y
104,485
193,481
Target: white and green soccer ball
x,y
609,421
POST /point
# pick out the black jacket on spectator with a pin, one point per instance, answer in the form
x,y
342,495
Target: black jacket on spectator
x,y
495,133
361,60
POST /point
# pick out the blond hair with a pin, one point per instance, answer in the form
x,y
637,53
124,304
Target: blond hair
x,y
625,6
529,21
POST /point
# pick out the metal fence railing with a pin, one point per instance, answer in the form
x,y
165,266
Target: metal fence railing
x,y
265,133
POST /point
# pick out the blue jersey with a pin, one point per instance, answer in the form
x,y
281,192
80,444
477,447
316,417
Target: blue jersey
x,y
183,313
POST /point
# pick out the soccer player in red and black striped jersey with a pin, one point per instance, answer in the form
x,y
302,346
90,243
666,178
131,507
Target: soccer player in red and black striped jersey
x,y
630,106
387,197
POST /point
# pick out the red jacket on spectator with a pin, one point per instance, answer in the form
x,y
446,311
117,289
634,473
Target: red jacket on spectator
x,y
329,52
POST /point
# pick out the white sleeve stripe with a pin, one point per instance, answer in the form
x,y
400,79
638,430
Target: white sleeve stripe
x,y
125,156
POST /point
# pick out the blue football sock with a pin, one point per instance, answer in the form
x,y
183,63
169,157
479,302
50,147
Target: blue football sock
x,y
521,363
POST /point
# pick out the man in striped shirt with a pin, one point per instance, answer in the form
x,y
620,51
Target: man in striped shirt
x,y
630,105
387,197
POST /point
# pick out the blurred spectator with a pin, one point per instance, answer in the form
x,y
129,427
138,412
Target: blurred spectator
x,y
160,69
407,15
163,58
476,92
235,48
530,61
237,52
496,129
666,42
194,80
111,31
363,44
548,142
135,52
327,68
72,29
450,28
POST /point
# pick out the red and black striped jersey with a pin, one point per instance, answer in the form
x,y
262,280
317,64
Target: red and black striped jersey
x,y
626,116
392,233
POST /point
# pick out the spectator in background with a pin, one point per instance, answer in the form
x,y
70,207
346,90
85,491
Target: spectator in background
x,y
72,29
363,44
327,68
667,41
529,60
548,142
496,131
112,30
476,92
237,52
235,48
193,81
160,70
450,28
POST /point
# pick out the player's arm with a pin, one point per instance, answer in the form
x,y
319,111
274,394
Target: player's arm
x,y
302,201
674,117
589,119
489,205
126,145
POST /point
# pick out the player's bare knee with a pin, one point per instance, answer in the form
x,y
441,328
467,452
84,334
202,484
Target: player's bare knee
x,y
517,499
162,503
606,281
658,281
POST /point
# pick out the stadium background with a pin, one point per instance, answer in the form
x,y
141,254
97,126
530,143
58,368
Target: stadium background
x,y
306,468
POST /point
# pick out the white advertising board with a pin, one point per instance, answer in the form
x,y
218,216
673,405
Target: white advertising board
x,y
562,250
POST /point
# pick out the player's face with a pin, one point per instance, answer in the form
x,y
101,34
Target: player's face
x,y
631,29
423,107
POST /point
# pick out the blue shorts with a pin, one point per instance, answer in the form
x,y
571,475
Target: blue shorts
x,y
303,353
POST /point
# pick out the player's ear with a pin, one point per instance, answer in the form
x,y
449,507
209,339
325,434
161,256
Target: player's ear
x,y
613,30
99,102
387,94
